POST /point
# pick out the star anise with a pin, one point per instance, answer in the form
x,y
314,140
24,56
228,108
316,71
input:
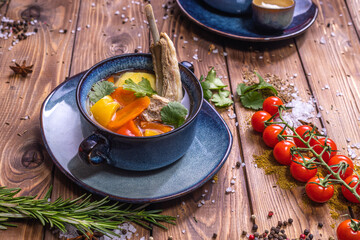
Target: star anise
x,y
88,236
22,69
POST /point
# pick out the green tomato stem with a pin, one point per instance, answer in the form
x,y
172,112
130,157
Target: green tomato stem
x,y
318,156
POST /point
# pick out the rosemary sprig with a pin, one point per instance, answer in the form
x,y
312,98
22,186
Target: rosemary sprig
x,y
82,213
317,156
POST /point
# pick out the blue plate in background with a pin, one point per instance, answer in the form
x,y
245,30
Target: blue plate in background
x,y
242,27
63,129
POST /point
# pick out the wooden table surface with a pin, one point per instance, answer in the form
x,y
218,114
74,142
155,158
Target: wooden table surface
x,y
335,62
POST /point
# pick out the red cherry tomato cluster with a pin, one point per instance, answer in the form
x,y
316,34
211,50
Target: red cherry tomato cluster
x,y
317,188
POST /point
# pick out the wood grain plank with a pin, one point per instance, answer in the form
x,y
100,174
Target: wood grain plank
x,y
336,43
280,59
353,7
223,214
100,34
24,161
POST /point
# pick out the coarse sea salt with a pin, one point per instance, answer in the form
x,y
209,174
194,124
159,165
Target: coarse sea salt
x,y
300,111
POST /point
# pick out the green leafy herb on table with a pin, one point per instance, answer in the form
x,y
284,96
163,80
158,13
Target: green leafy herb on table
x,y
222,99
142,89
100,90
82,213
253,96
213,89
174,114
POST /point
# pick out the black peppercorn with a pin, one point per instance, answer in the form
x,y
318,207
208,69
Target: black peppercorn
x,y
256,234
311,236
290,220
255,227
306,232
280,223
320,225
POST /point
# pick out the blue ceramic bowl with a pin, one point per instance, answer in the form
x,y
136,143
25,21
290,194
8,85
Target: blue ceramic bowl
x,y
273,15
231,6
136,153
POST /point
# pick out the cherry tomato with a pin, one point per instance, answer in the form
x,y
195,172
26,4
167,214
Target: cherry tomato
x,y
318,146
302,131
282,152
337,159
348,230
301,173
318,193
258,119
270,135
271,104
351,181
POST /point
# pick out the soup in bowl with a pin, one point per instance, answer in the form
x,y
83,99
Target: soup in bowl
x,y
135,128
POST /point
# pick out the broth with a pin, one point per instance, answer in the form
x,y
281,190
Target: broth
x,y
144,124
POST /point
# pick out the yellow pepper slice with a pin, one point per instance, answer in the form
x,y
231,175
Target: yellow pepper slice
x,y
136,77
104,109
151,132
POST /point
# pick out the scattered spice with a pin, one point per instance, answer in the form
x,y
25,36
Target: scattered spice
x,y
88,236
285,87
267,162
270,214
211,48
337,204
214,236
22,69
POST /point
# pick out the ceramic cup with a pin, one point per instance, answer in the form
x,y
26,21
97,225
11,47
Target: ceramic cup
x,y
231,6
273,15
136,153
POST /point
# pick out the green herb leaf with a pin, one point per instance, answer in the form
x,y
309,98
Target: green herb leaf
x,y
174,114
215,83
253,100
252,96
206,90
141,89
100,90
242,88
212,84
264,85
222,99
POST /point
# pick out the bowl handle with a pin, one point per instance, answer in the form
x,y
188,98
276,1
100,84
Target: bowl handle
x,y
188,65
95,149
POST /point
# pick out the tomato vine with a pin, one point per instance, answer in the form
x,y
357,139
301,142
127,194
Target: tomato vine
x,y
318,159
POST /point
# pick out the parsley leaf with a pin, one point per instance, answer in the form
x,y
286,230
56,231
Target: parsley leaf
x,y
206,89
174,114
252,96
215,83
253,100
100,90
212,84
264,85
141,89
222,99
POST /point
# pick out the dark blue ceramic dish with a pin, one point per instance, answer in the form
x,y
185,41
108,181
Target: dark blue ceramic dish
x,y
241,27
63,128
136,153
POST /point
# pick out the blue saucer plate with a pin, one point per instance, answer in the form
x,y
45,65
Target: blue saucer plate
x,y
63,129
241,27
